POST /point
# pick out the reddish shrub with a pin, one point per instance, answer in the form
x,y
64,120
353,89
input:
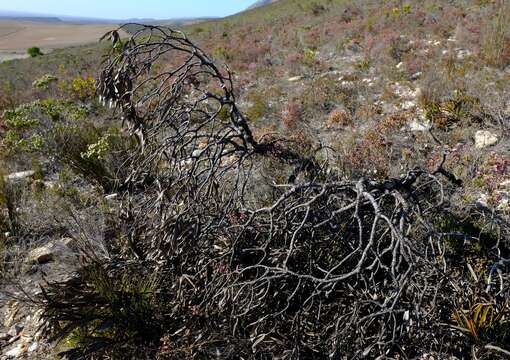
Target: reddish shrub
x,y
370,155
339,118
292,113
394,122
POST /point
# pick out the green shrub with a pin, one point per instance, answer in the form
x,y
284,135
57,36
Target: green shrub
x,y
28,124
97,150
20,118
44,81
221,53
72,142
9,202
34,51
82,87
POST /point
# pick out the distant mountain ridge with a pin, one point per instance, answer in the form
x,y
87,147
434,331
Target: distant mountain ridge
x,y
53,18
23,16
261,3
32,18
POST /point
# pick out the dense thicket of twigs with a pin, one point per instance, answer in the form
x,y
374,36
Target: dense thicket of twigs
x,y
315,267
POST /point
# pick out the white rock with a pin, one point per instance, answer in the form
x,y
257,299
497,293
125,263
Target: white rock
x,y
41,255
295,78
33,347
418,92
50,184
400,65
482,200
197,153
484,138
404,91
505,183
111,197
462,54
15,352
420,125
504,204
408,104
15,330
62,249
20,175
416,75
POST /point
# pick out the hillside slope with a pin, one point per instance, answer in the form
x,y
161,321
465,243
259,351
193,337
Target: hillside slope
x,y
261,3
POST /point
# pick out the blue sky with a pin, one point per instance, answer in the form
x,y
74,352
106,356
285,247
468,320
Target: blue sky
x,y
124,9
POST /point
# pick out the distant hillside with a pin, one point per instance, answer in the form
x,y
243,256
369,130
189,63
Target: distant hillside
x,y
261,3
31,18
22,16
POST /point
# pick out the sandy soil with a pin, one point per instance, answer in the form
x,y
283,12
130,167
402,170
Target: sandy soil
x,y
17,36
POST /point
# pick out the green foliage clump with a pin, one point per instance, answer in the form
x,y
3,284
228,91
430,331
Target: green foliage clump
x,y
221,53
82,87
363,65
44,81
97,150
9,202
74,146
29,125
403,10
16,144
34,51
21,118
62,109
